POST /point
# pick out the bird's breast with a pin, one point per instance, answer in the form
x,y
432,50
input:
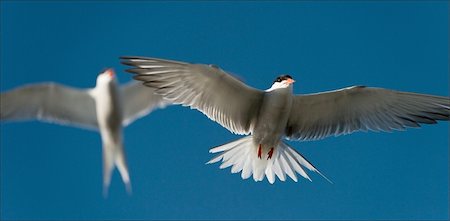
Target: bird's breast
x,y
109,109
273,116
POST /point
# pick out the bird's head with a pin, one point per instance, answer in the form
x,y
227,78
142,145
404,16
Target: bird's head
x,y
106,76
283,81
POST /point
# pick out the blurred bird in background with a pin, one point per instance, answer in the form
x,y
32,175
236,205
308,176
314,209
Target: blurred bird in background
x,y
107,108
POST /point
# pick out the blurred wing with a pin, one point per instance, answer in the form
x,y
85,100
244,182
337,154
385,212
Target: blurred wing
x,y
344,111
207,88
138,101
49,102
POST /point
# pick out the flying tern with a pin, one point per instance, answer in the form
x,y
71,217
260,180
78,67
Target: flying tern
x,y
108,108
275,114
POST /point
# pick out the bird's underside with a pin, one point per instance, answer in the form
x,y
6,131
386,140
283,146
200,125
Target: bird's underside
x,y
269,117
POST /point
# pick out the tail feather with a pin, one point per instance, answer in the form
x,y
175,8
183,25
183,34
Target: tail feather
x,y
228,146
287,166
232,156
247,168
259,167
296,166
278,171
270,174
242,156
121,165
304,162
108,167
240,160
114,156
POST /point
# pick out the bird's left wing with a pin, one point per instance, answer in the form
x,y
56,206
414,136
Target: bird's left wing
x,y
207,88
138,101
344,111
50,102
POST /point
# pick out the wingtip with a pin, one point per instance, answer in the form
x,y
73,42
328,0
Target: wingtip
x,y
127,57
127,62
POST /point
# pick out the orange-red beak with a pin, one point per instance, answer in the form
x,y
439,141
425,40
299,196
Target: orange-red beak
x,y
290,80
110,72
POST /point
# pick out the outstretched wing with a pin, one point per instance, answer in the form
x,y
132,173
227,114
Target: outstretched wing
x,y
138,101
49,102
207,88
344,111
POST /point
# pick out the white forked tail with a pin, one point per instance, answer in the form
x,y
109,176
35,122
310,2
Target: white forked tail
x,y
114,156
242,156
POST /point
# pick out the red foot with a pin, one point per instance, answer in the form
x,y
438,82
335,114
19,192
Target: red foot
x,y
259,151
270,153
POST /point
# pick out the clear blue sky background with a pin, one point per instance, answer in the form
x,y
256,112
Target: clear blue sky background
x,y
50,171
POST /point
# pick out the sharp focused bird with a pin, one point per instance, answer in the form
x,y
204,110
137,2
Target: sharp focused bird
x,y
275,114
107,108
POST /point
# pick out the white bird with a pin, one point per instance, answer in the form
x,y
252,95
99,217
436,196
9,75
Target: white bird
x,y
107,108
276,113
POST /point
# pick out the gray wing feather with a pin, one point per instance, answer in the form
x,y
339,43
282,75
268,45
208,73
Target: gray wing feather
x,y
344,111
49,102
207,88
139,100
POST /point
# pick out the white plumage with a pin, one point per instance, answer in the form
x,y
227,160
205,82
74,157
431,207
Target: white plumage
x,y
106,108
276,114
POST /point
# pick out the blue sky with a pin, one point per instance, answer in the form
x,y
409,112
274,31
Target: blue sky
x,y
50,171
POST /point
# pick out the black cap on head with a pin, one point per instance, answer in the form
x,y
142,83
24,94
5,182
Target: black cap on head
x,y
283,77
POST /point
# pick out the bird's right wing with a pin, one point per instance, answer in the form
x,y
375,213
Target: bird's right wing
x,y
49,102
209,89
316,116
138,101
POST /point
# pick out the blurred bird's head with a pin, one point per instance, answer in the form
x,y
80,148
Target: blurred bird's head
x,y
106,76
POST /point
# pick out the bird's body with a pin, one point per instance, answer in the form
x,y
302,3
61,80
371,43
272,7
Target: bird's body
x,y
272,118
275,114
106,108
109,110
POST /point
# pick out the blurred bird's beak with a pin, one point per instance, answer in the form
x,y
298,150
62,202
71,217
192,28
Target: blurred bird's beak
x,y
110,72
